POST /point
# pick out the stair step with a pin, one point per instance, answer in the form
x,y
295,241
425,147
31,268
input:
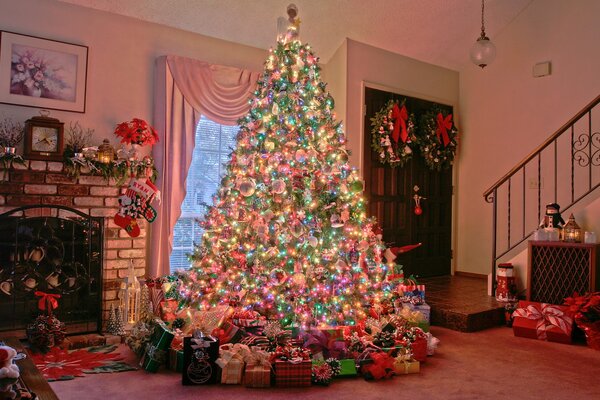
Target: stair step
x,y
462,304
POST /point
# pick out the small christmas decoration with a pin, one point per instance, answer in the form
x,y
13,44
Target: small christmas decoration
x,y
552,218
46,331
392,134
438,139
136,203
9,372
137,131
114,325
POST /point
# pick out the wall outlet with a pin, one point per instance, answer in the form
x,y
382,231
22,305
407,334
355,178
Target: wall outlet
x,y
533,183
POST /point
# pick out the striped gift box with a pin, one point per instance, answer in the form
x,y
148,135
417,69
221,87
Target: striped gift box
x,y
289,374
257,376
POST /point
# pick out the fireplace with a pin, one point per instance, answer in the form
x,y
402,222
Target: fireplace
x,y
51,192
52,249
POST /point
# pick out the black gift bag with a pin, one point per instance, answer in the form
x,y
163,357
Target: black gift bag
x,y
199,356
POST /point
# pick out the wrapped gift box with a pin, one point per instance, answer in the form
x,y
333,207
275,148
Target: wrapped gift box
x,y
403,367
543,321
156,351
347,369
231,363
258,369
168,310
175,360
412,290
288,374
424,309
199,356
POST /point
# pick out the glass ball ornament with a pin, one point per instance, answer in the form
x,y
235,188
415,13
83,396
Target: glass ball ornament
x,y
299,280
247,187
483,52
278,186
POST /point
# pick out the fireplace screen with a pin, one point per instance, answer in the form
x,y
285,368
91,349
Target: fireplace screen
x,y
52,249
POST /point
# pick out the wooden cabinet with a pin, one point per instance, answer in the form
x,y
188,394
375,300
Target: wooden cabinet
x,y
557,269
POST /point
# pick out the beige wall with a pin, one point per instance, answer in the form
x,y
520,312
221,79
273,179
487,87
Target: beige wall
x,y
506,113
122,51
335,74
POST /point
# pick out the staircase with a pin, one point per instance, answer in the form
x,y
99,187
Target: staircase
x,y
563,170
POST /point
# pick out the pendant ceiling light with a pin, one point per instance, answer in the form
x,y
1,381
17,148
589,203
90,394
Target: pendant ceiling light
x,y
483,51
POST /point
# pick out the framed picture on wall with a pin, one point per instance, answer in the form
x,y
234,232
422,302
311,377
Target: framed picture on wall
x,y
43,73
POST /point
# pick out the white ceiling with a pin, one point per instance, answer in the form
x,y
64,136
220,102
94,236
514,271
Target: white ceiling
x,y
440,32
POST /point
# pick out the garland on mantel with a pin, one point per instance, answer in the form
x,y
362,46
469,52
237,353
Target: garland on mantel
x,y
120,169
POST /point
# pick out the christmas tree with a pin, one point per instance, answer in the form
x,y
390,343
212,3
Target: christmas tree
x,y
288,233
114,325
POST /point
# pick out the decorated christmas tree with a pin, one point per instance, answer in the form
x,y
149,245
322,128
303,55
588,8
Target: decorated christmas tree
x,y
287,234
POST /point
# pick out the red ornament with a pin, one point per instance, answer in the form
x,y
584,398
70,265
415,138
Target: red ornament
x,y
418,210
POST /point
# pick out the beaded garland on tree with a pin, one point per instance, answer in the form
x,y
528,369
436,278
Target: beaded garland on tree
x,y
393,134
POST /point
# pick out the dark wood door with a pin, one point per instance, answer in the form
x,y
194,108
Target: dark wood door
x,y
390,193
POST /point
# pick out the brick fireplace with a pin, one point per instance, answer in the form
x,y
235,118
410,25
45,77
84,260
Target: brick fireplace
x,y
46,183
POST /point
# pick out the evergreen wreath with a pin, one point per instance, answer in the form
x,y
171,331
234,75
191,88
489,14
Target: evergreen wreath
x,y
393,133
438,138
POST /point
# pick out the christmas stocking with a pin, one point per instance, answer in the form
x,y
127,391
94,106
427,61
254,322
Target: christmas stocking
x,y
135,203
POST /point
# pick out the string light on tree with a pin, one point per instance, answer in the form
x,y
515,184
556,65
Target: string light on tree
x,y
287,234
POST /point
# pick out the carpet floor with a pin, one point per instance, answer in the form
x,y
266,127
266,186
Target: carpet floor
x,y
490,364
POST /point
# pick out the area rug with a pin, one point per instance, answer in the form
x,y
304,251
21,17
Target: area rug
x,y
61,365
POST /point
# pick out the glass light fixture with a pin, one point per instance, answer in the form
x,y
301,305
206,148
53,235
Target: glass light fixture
x,y
483,51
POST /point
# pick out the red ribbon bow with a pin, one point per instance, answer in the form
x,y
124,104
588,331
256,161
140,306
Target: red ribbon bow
x,y
47,301
546,317
443,124
399,115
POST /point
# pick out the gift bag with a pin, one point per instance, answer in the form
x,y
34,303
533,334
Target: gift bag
x,y
155,353
199,357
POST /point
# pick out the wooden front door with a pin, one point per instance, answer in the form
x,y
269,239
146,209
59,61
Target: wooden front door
x,y
390,193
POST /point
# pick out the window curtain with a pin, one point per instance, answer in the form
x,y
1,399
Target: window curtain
x,y
185,90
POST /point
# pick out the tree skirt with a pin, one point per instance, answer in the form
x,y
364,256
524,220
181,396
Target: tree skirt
x,y
60,364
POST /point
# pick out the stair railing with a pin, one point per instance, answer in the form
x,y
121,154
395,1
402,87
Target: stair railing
x,y
571,176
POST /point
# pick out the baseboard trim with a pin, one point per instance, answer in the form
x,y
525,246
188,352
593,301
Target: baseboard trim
x,y
470,274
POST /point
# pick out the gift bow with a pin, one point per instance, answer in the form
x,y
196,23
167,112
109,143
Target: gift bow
x,y
547,317
443,124
258,357
399,115
228,352
47,301
156,354
201,343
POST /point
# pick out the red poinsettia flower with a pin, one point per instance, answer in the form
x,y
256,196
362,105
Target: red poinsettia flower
x,y
136,131
60,364
586,306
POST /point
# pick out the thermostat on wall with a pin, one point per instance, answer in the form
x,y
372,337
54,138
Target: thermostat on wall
x,y
542,69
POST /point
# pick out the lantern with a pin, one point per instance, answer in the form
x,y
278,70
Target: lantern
x,y
129,297
106,152
572,231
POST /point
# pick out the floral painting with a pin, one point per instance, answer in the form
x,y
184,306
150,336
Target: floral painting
x,y
42,73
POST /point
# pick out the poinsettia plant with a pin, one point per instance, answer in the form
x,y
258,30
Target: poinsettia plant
x,y
585,307
136,131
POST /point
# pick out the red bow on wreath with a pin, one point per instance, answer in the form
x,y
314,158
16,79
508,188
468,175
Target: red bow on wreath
x,y
400,115
443,124
47,301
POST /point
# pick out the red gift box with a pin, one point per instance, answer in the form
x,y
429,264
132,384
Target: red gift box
x,y
289,374
543,321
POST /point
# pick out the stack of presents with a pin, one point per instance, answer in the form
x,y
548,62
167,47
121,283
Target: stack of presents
x,y
229,345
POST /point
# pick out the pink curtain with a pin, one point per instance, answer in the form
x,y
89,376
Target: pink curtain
x,y
185,90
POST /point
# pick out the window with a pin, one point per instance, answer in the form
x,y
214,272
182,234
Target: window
x,y
214,144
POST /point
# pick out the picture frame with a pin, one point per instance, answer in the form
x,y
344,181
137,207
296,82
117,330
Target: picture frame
x,y
42,73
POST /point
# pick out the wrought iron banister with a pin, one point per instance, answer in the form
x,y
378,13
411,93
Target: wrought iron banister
x,y
522,211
